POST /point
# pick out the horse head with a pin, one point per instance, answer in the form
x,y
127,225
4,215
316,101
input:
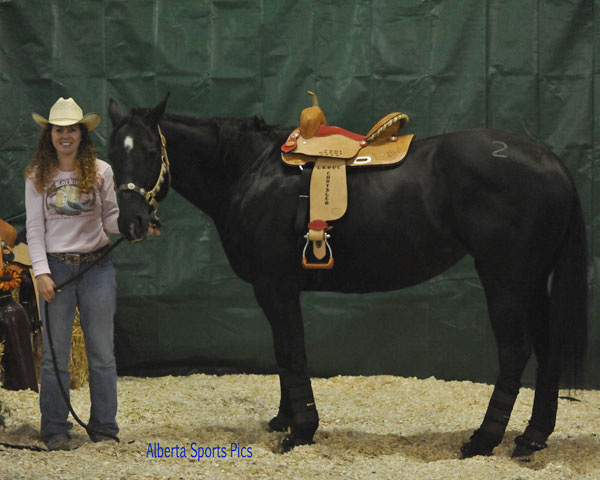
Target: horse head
x,y
137,151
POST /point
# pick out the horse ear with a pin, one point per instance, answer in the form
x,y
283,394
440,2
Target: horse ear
x,y
157,112
114,112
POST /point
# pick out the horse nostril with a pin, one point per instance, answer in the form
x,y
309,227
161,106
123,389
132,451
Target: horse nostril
x,y
134,226
138,232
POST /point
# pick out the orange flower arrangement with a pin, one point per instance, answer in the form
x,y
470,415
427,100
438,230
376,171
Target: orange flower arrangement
x,y
9,279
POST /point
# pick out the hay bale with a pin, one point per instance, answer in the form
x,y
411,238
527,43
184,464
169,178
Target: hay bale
x,y
78,363
1,364
37,356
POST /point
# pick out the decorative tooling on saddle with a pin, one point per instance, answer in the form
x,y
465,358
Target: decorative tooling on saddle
x,y
331,149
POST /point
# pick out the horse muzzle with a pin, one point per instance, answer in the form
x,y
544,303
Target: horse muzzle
x,y
133,229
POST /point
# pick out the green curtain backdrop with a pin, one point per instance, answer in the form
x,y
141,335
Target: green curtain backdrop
x,y
530,67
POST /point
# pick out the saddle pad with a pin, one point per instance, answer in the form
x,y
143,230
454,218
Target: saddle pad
x,y
377,153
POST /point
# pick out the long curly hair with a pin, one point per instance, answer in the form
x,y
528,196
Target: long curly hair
x,y
45,162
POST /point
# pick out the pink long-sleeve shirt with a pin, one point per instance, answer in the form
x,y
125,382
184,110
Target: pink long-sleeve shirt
x,y
62,219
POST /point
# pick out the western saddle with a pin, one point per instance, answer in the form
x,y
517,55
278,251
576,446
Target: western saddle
x,y
332,149
16,322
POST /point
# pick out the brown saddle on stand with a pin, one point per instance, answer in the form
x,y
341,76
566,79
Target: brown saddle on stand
x,y
16,318
332,149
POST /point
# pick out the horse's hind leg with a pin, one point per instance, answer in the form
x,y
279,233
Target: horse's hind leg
x,y
297,409
545,404
511,306
543,417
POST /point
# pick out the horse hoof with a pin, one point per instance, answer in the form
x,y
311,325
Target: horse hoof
x,y
290,441
280,423
526,447
471,449
480,443
521,452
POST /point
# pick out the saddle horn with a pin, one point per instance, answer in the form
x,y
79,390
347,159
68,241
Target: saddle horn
x,y
311,118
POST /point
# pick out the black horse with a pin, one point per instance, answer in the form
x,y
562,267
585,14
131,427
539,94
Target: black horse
x,y
506,201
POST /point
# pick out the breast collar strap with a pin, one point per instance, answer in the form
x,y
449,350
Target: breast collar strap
x,y
165,171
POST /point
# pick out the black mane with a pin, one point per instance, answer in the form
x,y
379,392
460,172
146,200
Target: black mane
x,y
237,136
229,127
232,125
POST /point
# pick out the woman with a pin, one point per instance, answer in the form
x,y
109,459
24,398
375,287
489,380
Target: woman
x,y
71,207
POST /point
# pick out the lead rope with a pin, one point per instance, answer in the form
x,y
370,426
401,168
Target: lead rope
x,y
63,391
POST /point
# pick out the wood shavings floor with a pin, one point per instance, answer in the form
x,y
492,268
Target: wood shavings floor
x,y
375,427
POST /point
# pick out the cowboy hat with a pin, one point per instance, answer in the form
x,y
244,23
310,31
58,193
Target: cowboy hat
x,y
67,112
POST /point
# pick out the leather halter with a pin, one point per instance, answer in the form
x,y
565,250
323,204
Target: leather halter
x,y
165,169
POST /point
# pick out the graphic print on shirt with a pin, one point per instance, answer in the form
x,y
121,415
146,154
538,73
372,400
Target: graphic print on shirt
x,y
65,198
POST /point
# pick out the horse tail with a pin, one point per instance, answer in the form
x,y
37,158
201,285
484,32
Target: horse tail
x,y
568,301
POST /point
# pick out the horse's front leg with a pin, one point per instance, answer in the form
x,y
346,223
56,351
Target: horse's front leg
x,y
281,303
283,420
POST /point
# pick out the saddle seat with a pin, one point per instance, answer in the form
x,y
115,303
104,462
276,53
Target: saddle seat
x,y
332,149
314,139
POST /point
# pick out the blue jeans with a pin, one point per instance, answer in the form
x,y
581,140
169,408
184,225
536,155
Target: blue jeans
x,y
95,295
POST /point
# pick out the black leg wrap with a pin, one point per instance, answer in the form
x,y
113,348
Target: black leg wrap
x,y
283,420
543,419
545,406
305,419
492,429
531,441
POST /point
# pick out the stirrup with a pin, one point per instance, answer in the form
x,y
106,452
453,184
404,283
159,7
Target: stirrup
x,y
317,233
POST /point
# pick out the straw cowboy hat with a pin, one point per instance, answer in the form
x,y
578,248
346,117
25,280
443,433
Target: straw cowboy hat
x,y
67,112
